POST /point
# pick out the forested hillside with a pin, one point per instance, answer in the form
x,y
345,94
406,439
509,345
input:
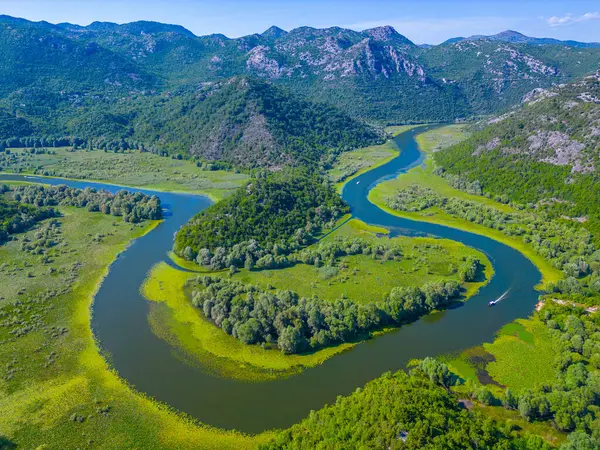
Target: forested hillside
x,y
274,214
242,121
544,153
418,413
159,87
250,123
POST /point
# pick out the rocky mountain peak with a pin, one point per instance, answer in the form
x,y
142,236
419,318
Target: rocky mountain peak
x,y
274,32
385,34
511,34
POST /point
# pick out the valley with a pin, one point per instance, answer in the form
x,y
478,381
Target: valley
x,y
328,238
109,300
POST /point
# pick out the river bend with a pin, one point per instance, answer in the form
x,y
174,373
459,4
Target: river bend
x,y
121,326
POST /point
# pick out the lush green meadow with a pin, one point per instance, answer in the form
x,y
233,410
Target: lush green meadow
x,y
524,355
131,168
443,137
366,280
349,165
56,390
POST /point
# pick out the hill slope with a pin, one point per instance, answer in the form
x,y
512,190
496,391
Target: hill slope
x,y
245,122
545,152
251,123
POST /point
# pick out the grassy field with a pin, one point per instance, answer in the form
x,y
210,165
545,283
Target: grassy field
x,y
56,390
524,355
144,170
442,137
366,280
423,176
176,320
521,356
351,164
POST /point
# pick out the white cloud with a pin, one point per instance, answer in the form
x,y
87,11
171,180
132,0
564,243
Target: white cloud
x,y
570,19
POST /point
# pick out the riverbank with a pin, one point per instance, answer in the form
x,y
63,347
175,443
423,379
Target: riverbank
x,y
352,164
149,363
361,279
130,169
59,391
423,176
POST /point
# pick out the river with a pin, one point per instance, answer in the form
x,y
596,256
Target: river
x,y
148,363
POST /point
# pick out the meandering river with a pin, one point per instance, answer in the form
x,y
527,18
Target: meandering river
x,y
121,326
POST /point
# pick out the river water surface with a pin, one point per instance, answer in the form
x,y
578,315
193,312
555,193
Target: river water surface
x,y
120,318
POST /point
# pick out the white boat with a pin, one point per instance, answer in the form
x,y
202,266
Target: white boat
x,y
358,182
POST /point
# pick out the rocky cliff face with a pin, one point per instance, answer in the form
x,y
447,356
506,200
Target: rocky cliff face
x,y
376,74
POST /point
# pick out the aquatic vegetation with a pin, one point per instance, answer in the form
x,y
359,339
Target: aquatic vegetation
x,y
524,355
56,389
220,353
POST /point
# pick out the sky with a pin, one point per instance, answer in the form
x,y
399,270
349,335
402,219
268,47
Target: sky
x,y
424,21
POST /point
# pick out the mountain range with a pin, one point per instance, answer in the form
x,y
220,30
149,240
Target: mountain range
x,y
55,74
518,38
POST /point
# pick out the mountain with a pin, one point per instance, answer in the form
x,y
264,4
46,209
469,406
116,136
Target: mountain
x,y
515,37
242,121
250,123
39,55
544,152
493,75
99,80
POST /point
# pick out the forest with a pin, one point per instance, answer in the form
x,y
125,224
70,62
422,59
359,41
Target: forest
x,y
242,121
419,412
295,324
275,213
132,207
16,217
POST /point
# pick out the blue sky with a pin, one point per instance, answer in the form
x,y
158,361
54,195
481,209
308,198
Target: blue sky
x,y
430,21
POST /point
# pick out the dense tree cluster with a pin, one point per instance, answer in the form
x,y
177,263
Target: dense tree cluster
x,y
132,206
296,324
400,411
252,255
275,214
16,217
585,290
572,401
567,245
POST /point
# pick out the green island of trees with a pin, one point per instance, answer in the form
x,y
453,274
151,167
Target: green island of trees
x,y
273,214
296,324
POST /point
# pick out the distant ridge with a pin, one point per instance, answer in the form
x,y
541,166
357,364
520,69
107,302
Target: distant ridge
x,y
113,71
515,37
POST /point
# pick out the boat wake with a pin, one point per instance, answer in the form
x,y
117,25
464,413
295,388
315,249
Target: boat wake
x,y
499,299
